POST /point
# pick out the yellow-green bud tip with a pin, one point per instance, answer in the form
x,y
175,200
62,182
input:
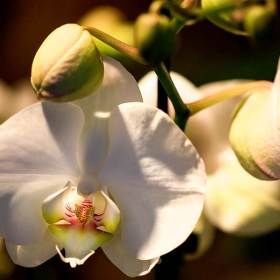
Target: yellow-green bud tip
x,y
67,66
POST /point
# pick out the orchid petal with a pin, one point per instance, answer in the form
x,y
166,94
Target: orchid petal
x,y
118,86
127,263
41,139
21,198
243,205
77,242
156,178
33,254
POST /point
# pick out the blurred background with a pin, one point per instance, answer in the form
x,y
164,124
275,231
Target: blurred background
x,y
204,53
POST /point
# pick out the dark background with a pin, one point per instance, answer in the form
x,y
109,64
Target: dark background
x,y
204,53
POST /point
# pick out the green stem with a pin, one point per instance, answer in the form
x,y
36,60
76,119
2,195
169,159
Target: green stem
x,y
181,110
120,46
210,100
197,14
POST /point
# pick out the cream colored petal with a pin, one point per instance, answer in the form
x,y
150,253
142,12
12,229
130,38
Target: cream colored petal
x,y
21,198
41,139
238,203
33,254
78,242
156,178
126,263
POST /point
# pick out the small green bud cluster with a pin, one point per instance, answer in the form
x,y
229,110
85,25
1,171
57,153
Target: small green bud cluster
x,y
247,18
258,21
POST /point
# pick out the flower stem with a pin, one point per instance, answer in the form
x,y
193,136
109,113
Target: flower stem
x,y
210,100
120,46
196,14
181,110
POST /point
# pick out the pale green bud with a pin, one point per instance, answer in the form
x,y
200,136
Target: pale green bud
x,y
258,21
230,21
67,66
255,132
154,37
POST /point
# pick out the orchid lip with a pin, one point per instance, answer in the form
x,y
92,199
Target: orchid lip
x,y
80,224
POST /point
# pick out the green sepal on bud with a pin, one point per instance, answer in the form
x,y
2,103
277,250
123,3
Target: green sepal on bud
x,y
67,66
154,37
230,20
258,21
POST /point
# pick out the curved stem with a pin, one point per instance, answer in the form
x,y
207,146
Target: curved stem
x,y
120,46
197,14
210,100
181,110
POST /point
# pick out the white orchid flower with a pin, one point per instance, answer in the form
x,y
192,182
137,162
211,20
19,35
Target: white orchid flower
x,y
98,174
235,202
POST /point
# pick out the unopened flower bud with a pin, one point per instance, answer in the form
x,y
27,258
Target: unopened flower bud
x,y
258,21
154,37
255,132
67,65
231,20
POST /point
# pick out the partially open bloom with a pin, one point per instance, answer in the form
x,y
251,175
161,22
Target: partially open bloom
x,y
108,171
